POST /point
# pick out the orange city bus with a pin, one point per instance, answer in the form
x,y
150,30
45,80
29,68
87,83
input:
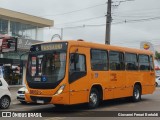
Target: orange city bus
x,y
74,72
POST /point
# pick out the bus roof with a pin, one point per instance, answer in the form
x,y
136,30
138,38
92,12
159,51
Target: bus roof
x,y
101,46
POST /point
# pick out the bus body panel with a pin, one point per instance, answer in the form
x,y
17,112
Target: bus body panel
x,y
102,78
131,77
119,83
148,82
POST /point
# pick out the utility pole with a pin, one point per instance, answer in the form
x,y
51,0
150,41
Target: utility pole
x,y
108,22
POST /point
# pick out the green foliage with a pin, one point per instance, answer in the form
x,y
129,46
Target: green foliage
x,y
157,55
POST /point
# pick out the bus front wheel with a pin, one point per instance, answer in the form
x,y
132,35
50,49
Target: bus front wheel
x,y
94,98
136,93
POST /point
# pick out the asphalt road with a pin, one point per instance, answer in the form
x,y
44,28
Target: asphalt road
x,y
148,103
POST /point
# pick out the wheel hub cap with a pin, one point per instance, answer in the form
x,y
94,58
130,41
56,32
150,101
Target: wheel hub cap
x,y
5,103
136,94
93,98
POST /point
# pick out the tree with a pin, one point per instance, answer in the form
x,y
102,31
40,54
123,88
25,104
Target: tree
x,y
157,55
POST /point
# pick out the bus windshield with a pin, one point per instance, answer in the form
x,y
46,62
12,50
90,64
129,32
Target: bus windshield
x,y
46,67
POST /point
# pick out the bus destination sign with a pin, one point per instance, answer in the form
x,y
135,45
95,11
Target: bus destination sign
x,y
46,47
49,46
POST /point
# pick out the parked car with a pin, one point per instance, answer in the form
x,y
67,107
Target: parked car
x,y
5,95
157,81
21,95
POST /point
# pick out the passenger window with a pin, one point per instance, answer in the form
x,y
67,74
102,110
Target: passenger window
x,y
99,60
144,62
116,60
151,63
79,66
0,83
131,61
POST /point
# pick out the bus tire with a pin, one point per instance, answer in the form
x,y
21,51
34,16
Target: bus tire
x,y
136,93
94,98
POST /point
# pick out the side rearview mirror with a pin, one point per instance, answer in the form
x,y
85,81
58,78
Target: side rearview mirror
x,y
76,58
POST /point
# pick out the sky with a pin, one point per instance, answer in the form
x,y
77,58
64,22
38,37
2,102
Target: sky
x,y
132,21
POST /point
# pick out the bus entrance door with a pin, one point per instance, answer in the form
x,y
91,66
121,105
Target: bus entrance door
x,y
78,77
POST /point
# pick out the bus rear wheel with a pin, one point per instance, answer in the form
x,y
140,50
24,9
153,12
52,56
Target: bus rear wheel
x,y
136,93
94,98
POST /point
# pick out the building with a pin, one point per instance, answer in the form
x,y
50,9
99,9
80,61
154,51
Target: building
x,y
29,30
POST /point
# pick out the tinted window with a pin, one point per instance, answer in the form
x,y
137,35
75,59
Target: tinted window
x,y
131,61
116,60
151,63
99,60
80,66
144,62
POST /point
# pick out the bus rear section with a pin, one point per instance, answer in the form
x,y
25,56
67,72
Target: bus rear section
x,y
74,72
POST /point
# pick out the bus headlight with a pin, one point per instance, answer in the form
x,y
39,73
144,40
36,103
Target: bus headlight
x,y
60,90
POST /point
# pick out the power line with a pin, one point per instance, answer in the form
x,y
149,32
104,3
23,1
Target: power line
x,y
85,25
119,2
113,23
88,19
141,20
130,16
137,11
77,10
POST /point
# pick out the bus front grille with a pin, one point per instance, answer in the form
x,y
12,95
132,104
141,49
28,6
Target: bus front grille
x,y
45,99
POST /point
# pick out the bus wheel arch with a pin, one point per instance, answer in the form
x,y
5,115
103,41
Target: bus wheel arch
x,y
95,96
137,92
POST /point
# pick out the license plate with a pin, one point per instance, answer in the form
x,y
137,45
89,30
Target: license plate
x,y
37,79
40,101
21,95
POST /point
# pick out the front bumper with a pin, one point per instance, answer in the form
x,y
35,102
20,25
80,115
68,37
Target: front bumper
x,y
54,99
